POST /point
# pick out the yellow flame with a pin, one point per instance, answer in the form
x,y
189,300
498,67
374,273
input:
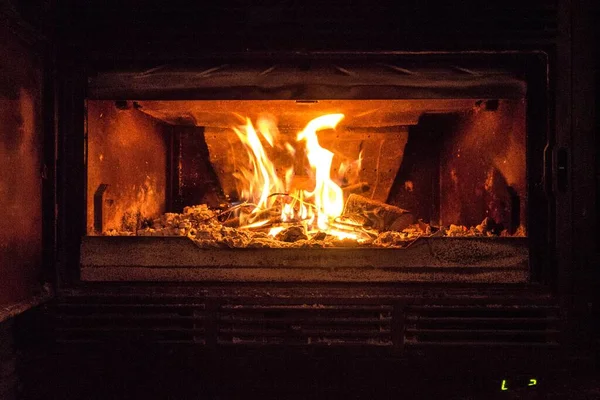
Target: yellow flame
x,y
315,210
275,230
327,196
261,179
343,234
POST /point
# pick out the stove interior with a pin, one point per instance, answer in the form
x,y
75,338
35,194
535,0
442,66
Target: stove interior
x,y
307,173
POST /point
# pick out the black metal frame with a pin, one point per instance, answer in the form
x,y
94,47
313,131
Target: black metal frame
x,y
530,66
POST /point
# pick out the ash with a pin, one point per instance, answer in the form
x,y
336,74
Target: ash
x,y
200,224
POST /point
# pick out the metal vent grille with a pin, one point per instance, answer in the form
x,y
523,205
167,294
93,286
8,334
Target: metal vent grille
x,y
481,325
155,320
313,325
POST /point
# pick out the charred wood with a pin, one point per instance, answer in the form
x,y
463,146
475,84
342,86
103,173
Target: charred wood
x,y
376,214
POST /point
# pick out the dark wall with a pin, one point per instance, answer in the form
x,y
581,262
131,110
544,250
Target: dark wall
x,y
179,29
483,168
20,169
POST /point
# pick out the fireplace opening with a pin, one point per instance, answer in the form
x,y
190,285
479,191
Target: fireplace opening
x,y
318,173
345,170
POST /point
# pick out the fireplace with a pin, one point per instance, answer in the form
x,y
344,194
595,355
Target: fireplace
x,y
311,199
371,196
377,202
326,167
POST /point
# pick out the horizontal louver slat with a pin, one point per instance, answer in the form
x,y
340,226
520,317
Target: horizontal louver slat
x,y
144,319
310,325
476,325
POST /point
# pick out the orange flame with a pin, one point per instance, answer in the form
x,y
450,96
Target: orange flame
x,y
328,197
315,209
261,179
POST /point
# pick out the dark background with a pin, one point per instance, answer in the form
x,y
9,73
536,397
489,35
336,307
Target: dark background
x,y
131,29
151,33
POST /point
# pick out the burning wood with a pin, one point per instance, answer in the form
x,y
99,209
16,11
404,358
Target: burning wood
x,y
377,215
201,224
293,208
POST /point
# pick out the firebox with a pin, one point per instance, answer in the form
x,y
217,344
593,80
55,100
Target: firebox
x,y
328,167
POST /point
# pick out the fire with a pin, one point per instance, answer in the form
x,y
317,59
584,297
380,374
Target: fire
x,y
328,197
261,186
261,179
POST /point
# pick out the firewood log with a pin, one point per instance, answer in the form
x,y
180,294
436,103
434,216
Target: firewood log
x,y
382,216
272,214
